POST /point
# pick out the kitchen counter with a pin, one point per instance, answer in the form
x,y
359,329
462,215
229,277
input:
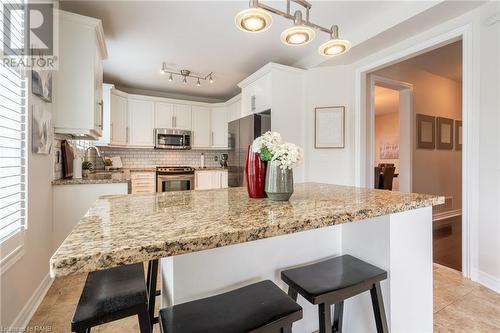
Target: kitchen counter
x,y
127,229
210,169
84,181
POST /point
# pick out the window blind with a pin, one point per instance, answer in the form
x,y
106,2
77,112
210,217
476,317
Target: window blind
x,y
12,131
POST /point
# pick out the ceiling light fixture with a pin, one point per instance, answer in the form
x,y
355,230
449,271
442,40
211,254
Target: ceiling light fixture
x,y
257,18
299,34
185,73
253,20
335,46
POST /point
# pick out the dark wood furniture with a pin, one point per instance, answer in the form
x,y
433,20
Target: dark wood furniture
x,y
384,175
258,308
331,282
110,295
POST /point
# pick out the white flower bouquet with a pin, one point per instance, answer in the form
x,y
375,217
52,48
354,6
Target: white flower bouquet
x,y
271,148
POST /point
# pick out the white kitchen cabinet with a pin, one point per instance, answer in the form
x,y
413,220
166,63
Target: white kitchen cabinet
x,y
168,115
201,136
218,122
142,182
77,84
182,116
234,108
210,179
256,96
164,115
140,122
118,119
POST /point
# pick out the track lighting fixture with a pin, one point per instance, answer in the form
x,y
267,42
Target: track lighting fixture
x,y
184,74
258,18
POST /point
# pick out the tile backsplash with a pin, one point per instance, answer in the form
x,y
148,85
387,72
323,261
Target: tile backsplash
x,y
135,158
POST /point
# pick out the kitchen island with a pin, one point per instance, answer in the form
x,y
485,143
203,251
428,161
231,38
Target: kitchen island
x,y
216,240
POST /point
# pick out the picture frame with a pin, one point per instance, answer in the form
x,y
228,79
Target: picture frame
x,y
329,127
426,131
458,135
41,131
41,84
445,135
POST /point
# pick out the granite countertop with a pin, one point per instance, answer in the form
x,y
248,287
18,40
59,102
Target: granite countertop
x,y
124,229
84,181
210,168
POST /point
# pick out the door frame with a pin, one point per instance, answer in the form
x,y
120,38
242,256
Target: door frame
x,y
406,121
470,130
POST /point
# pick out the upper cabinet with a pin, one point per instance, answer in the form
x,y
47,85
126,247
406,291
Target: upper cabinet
x,y
140,122
168,115
218,121
78,99
202,136
256,96
119,119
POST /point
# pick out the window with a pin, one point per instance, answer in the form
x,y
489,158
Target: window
x,y
12,143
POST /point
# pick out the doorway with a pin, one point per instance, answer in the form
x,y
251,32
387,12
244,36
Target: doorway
x,y
426,146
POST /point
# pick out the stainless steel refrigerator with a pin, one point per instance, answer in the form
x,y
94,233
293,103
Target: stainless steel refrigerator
x,y
242,132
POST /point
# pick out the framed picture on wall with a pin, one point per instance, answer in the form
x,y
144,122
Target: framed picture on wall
x,y
329,127
426,131
444,133
458,135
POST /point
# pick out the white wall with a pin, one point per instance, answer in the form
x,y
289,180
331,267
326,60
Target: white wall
x,y
330,86
336,86
24,282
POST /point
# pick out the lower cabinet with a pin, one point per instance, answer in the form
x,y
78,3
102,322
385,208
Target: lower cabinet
x,y
142,182
210,179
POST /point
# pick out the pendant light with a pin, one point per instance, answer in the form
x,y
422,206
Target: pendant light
x,y
299,34
335,46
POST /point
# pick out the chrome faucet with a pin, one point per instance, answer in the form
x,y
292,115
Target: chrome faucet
x,y
99,154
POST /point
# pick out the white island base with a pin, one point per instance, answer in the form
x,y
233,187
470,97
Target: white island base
x,y
399,243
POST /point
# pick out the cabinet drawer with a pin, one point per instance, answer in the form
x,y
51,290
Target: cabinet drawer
x,y
142,175
143,183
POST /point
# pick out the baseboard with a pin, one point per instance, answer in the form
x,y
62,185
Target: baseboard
x,y
487,280
23,318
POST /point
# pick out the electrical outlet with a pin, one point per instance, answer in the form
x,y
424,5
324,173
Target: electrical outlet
x,y
216,158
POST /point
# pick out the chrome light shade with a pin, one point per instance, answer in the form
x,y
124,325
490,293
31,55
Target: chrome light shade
x,y
297,35
335,46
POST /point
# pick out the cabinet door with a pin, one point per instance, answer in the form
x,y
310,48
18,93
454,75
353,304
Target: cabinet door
x,y
203,180
219,127
164,115
140,122
216,179
182,116
223,179
118,123
201,126
98,102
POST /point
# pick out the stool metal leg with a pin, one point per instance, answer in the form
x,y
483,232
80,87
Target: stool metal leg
x,y
378,308
144,322
325,318
338,315
151,285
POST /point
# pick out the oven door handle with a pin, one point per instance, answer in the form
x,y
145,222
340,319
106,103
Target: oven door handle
x,y
174,177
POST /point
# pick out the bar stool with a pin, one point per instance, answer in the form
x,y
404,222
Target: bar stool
x,y
110,295
331,282
258,308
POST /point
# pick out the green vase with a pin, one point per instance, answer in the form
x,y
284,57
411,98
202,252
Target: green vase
x,y
279,182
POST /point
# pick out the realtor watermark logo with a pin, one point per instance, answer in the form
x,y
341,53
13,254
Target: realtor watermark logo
x,y
29,33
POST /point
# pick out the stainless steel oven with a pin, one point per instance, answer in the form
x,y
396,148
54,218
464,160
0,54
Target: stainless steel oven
x,y
174,179
167,138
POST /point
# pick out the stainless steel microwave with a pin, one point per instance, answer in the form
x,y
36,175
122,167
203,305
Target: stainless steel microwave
x,y
168,138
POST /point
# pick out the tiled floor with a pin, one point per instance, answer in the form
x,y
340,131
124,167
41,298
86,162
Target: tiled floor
x,y
459,306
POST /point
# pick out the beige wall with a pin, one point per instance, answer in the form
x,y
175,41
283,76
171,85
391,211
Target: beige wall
x,y
434,171
21,281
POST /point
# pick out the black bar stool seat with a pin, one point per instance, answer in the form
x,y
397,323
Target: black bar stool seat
x,y
332,281
110,295
259,307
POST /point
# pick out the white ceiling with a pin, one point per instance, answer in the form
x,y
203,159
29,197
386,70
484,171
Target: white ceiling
x,y
201,36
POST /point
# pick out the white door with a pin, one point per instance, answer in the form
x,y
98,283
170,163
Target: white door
x,y
219,127
201,126
164,115
141,120
203,180
182,116
118,122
